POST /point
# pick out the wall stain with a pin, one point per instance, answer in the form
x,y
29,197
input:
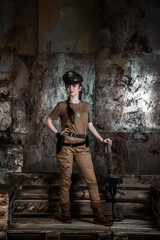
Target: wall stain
x,y
137,44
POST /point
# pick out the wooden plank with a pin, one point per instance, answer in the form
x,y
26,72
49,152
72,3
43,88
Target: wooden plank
x,y
3,235
123,223
117,237
155,198
126,222
48,187
52,236
11,207
104,236
35,179
130,195
4,208
81,208
3,225
79,197
4,201
31,191
127,209
5,191
26,236
36,206
139,180
34,215
48,179
77,226
131,233
80,193
133,229
2,195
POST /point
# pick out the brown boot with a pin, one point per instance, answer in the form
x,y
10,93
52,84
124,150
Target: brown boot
x,y
65,207
98,215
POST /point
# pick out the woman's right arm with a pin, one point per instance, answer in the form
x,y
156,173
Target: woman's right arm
x,y
49,123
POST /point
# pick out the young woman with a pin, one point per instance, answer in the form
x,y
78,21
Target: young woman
x,y
75,116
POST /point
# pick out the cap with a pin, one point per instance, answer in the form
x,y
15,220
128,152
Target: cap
x,y
71,77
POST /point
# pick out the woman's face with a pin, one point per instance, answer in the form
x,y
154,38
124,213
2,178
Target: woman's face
x,y
73,90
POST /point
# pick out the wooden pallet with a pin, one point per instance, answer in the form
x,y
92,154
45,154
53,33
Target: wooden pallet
x,y
38,195
35,211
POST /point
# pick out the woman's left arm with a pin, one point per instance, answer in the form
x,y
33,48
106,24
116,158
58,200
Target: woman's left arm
x,y
96,134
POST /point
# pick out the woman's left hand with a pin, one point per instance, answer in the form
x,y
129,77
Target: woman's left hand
x,y
107,140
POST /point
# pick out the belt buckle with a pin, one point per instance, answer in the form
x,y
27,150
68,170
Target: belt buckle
x,y
71,144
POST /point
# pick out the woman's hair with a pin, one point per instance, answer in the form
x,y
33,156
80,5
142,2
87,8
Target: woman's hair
x,y
71,113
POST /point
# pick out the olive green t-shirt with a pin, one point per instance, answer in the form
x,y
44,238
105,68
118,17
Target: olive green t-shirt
x,y
82,116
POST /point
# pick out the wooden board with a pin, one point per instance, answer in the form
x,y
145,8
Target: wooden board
x,y
82,193
3,236
47,179
3,225
155,198
129,227
80,208
5,192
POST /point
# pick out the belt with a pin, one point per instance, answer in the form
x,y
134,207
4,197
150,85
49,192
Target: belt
x,y
74,144
76,135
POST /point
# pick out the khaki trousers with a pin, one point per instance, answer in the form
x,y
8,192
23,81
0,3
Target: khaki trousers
x,y
82,156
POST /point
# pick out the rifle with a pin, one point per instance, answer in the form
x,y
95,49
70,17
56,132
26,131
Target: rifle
x,y
112,184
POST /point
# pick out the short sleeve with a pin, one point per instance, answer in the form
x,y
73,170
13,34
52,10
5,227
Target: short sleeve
x,y
89,114
56,112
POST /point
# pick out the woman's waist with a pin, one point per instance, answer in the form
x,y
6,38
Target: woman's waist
x,y
70,139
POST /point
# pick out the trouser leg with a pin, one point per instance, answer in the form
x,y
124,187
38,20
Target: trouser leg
x,y
84,161
65,160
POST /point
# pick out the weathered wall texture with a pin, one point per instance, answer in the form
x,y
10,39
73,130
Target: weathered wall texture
x,y
114,45
67,40
51,90
128,84
18,44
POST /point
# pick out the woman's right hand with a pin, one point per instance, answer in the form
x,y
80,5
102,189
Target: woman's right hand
x,y
65,132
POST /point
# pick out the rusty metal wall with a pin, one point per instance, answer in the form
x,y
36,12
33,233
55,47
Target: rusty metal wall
x,y
114,45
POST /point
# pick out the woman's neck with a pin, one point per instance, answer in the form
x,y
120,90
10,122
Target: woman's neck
x,y
74,99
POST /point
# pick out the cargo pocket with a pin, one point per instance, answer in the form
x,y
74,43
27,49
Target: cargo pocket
x,y
64,158
80,149
89,158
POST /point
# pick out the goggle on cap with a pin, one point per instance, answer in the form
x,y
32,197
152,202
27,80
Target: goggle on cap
x,y
71,77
